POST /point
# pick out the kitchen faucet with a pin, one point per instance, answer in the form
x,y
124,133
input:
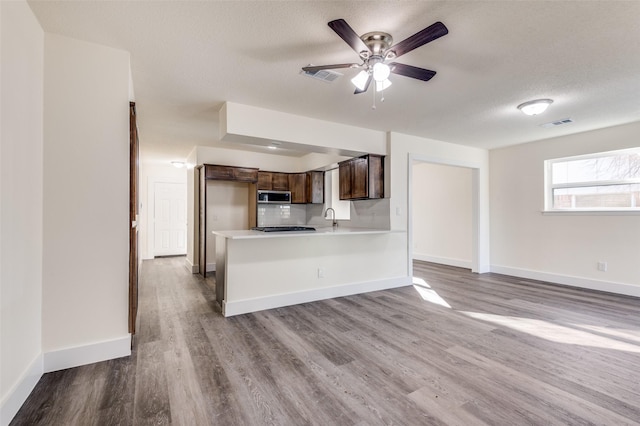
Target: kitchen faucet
x,y
326,212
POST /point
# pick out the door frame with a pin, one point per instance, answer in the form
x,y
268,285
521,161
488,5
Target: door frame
x,y
478,246
134,219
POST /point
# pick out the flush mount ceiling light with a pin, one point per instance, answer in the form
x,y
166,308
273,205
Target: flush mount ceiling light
x,y
177,164
535,107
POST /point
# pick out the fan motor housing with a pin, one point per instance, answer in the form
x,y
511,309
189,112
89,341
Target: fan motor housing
x,y
377,42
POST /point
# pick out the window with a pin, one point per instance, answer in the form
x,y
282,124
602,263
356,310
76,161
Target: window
x,y
342,208
603,181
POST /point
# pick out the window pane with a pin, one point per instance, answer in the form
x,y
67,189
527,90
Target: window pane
x,y
605,168
610,196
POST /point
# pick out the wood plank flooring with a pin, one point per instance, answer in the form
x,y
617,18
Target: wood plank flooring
x,y
462,349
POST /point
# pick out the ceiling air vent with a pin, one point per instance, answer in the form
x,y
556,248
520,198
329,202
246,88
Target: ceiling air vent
x,y
557,123
324,75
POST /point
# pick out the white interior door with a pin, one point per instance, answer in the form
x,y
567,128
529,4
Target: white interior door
x,y
170,219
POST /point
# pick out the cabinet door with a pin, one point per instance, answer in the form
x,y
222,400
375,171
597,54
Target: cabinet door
x,y
376,176
297,186
345,176
218,172
238,174
245,174
264,180
280,181
315,187
360,177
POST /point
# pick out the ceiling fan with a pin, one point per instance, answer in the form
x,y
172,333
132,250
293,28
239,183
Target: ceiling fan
x,y
376,49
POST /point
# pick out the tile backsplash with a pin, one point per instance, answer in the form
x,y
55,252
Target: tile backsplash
x,y
282,214
364,214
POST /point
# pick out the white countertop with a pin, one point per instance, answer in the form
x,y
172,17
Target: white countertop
x,y
248,234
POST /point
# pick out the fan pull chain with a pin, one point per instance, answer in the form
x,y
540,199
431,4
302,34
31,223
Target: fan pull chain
x,y
374,99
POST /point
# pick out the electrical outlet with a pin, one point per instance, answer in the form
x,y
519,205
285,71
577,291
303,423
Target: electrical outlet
x,y
320,273
602,266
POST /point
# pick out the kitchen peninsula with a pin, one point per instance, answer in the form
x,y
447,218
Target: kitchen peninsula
x,y
257,270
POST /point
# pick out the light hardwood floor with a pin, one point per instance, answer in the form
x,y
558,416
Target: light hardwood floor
x,y
469,350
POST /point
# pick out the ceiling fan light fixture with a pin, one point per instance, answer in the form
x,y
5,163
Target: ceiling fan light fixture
x,y
360,80
381,85
381,72
535,107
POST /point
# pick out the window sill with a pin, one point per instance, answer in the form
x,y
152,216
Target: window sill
x,y
591,212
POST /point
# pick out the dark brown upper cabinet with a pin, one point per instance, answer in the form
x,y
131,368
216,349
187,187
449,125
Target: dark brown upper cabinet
x,y
315,187
280,181
273,181
298,187
264,180
362,178
238,174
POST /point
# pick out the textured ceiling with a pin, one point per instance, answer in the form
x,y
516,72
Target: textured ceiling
x,y
189,57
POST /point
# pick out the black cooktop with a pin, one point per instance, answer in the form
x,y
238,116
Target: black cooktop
x,y
282,228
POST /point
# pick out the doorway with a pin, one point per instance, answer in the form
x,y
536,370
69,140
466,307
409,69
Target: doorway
x,y
474,239
442,214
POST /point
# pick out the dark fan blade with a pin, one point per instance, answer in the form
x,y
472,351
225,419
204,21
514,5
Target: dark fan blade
x,y
314,68
411,71
366,86
346,33
420,38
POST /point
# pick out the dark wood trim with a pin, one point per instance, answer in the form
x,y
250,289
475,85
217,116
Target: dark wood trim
x,y
134,158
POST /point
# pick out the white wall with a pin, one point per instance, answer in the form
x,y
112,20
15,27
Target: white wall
x,y
86,200
244,123
562,248
22,52
442,214
264,161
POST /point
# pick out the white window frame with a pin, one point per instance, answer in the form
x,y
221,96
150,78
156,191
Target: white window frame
x,y
549,186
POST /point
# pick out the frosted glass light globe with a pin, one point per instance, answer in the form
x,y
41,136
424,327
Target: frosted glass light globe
x,y
381,71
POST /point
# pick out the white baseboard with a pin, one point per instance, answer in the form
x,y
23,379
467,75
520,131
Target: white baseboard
x,y
608,286
20,392
277,301
194,269
443,260
87,354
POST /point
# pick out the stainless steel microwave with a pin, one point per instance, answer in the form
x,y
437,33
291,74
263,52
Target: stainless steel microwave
x,y
274,197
